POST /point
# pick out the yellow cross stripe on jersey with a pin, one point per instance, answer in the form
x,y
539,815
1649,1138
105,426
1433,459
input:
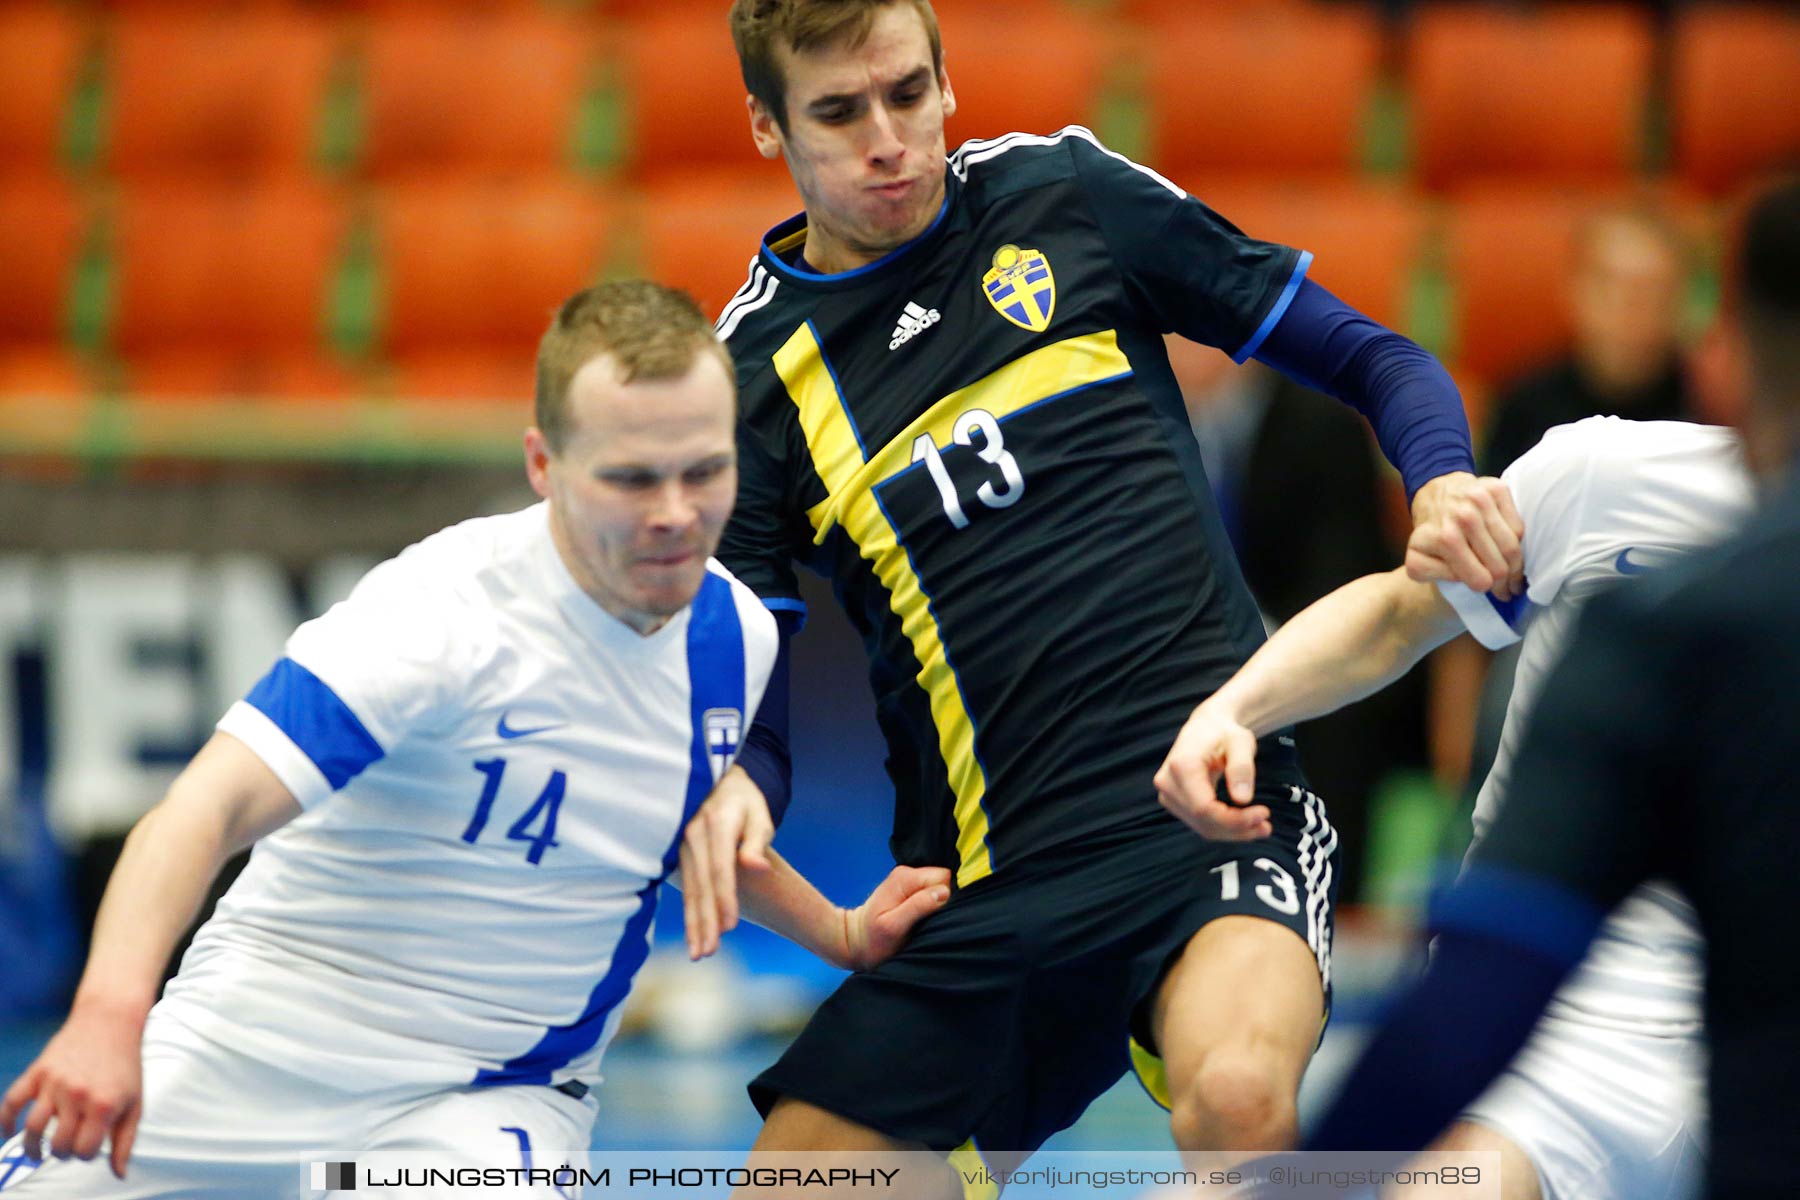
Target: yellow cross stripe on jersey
x,y
851,503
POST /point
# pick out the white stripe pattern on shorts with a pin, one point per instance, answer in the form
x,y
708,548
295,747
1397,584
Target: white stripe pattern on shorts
x,y
1318,847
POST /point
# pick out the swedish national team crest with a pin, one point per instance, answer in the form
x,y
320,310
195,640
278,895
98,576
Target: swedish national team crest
x,y
1021,287
724,728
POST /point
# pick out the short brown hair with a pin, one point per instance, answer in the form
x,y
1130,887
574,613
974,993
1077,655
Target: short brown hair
x,y
653,332
759,26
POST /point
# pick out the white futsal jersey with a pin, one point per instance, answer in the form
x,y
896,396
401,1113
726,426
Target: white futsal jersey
x,y
495,773
1605,499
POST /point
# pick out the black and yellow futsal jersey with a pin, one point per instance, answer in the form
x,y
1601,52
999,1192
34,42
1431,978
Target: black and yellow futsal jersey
x,y
978,439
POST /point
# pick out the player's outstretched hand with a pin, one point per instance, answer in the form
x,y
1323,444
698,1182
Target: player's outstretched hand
x,y
1210,745
882,923
1467,530
90,1079
732,830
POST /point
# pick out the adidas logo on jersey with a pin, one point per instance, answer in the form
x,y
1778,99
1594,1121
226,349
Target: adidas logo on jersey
x,y
913,322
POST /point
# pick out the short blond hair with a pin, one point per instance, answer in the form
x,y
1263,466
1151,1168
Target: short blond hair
x,y
652,332
759,26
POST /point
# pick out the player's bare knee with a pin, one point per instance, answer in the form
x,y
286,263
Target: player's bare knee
x,y
1237,1100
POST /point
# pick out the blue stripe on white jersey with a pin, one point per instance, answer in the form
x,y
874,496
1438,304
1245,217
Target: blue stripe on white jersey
x,y
316,720
715,653
715,641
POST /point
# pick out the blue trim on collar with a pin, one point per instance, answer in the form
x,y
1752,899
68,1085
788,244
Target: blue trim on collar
x,y
805,274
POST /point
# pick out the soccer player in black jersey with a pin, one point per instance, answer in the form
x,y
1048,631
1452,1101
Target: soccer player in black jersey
x,y
957,406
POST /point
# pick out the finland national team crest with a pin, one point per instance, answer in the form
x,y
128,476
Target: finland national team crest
x,y
1021,287
15,1164
724,729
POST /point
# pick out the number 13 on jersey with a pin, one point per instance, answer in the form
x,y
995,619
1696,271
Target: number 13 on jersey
x,y
993,450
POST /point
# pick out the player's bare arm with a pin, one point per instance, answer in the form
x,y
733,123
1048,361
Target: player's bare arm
x,y
1348,645
1467,530
854,939
89,1076
732,830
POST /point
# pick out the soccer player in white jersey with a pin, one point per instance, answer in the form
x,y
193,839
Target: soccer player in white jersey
x,y
1606,1099
466,784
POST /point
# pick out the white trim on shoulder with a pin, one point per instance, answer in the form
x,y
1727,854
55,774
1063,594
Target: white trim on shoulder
x,y
251,726
757,291
981,151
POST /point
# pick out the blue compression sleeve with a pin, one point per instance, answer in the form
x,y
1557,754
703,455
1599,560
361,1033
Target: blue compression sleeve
x,y
1403,391
1505,943
765,756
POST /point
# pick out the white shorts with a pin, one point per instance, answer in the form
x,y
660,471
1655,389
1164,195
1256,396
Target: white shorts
x,y
1604,1113
219,1124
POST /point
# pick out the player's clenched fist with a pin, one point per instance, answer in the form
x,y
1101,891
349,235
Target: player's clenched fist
x,y
89,1080
1213,744
1467,530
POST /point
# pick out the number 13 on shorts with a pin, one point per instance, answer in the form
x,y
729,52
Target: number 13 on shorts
x,y
1278,892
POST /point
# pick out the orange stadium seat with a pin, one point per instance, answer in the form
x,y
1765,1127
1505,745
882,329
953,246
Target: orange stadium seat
x,y
458,91
699,234
41,52
43,372
1735,92
219,286
1365,238
438,6
1020,67
683,91
1152,11
1262,90
44,223
199,373
473,271
1510,252
643,8
216,92
1555,93
214,7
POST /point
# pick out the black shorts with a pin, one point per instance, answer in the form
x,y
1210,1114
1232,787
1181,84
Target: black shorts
x,y
1013,1007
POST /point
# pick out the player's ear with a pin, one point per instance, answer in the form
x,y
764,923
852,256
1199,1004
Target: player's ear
x,y
949,95
537,461
764,130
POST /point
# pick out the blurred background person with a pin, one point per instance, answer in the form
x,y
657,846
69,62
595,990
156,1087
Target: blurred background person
x,y
1627,289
